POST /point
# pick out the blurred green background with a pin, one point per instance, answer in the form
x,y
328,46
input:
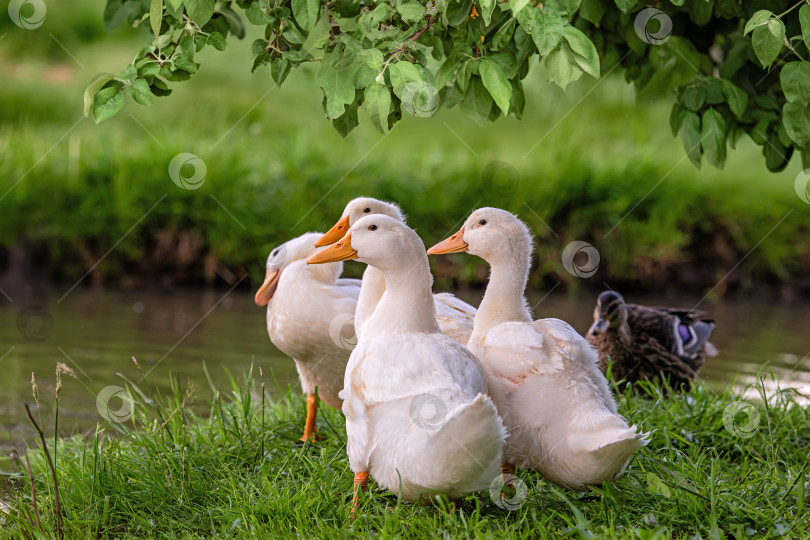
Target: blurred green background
x,y
592,164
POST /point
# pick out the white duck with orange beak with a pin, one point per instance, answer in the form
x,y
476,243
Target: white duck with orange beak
x,y
309,318
418,419
455,317
542,374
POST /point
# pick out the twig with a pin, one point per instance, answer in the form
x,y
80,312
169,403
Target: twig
x,y
33,492
424,29
59,530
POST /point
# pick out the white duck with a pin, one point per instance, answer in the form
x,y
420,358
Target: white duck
x,y
542,375
417,415
455,316
309,313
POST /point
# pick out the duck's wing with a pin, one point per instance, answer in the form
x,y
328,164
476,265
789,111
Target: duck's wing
x,y
455,317
681,332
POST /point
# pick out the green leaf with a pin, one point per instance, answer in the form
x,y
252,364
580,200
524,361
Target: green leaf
x,y
487,7
107,102
93,88
736,97
562,66
714,137
139,91
804,20
336,78
584,51
477,102
347,121
373,59
592,11
457,11
279,69
517,5
401,74
496,83
690,135
768,40
626,5
410,11
796,119
694,97
503,36
217,40
758,19
656,486
547,29
128,72
200,11
305,13
175,5
795,79
156,16
377,103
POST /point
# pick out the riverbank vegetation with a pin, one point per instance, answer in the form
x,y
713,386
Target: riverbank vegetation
x,y
592,164
716,467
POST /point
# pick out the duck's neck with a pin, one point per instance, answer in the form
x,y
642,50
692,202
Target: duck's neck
x,y
504,301
371,291
407,304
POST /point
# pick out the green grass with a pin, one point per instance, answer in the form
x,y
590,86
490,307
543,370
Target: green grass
x,y
234,470
593,164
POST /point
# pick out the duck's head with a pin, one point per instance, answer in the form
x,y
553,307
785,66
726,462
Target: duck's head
x,y
297,249
490,233
355,210
610,313
377,240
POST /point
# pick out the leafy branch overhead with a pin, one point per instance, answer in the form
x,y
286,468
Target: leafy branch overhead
x,y
733,67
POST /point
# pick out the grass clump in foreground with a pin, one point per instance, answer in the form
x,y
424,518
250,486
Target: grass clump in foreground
x,y
235,471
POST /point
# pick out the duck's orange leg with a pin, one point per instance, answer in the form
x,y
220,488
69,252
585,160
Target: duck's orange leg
x,y
360,483
311,425
508,474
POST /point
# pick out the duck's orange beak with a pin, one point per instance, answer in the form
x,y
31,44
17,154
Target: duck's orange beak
x,y
451,245
341,251
268,288
335,233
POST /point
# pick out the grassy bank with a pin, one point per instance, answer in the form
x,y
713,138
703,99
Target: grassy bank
x,y
234,470
593,164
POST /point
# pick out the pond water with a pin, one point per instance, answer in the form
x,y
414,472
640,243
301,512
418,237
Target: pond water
x,y
97,332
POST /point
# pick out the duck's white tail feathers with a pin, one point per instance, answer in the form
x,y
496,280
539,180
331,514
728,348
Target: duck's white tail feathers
x,y
464,454
613,456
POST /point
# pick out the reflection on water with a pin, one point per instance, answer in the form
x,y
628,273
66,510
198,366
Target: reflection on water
x,y
98,332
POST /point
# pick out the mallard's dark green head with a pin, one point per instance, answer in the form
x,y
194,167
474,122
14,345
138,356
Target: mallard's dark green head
x,y
610,312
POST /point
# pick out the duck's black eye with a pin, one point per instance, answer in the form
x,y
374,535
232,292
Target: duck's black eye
x,y
366,210
372,227
482,222
273,254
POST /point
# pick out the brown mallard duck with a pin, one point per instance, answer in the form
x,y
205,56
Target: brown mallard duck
x,y
650,343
